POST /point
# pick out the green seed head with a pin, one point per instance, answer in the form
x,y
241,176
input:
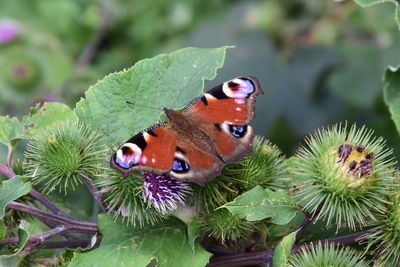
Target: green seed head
x,y
326,255
124,198
223,226
61,156
383,240
346,172
265,166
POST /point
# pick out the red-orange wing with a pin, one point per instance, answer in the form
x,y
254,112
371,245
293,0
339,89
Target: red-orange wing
x,y
231,102
151,150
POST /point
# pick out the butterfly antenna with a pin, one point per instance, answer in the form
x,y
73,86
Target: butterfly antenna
x,y
143,106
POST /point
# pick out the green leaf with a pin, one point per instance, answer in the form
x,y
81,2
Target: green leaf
x,y
168,80
258,204
391,92
12,189
282,250
193,232
10,130
3,230
47,115
124,245
9,260
23,234
366,3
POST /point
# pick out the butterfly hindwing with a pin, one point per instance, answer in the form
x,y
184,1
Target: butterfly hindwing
x,y
194,165
224,112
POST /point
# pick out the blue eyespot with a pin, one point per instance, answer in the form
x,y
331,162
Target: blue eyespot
x,y
238,131
180,166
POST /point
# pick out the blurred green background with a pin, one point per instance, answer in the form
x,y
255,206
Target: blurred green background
x,y
319,61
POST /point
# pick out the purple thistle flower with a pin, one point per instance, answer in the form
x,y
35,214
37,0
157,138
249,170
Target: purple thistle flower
x,y
9,30
164,191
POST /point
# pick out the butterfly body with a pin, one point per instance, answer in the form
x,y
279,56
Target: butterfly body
x,y
196,143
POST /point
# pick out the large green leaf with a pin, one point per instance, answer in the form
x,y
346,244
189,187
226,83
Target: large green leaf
x,y
9,260
12,189
366,3
124,245
391,92
259,203
282,250
194,232
168,80
10,129
47,115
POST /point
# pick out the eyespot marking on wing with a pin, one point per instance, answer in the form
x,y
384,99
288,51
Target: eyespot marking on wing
x,y
238,88
128,156
180,166
238,131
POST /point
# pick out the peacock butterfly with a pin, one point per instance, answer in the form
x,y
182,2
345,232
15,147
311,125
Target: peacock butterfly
x,y
195,144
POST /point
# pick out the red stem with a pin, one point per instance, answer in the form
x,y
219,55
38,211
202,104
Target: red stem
x,y
72,224
8,172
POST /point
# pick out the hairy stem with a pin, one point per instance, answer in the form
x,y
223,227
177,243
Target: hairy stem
x,y
37,237
309,217
8,172
98,196
9,156
72,224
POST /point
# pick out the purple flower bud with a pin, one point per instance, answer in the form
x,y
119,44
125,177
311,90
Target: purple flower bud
x,y
9,30
164,191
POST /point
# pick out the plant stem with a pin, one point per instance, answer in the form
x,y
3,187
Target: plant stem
x,y
37,237
265,257
309,217
8,172
98,196
47,203
9,156
71,223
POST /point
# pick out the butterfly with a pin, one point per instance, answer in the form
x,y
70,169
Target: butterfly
x,y
195,144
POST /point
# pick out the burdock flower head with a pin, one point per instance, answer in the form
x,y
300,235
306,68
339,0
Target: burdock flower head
x,y
164,192
344,175
141,201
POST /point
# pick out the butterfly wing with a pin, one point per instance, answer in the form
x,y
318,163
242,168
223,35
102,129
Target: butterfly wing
x,y
219,130
193,164
223,113
151,150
